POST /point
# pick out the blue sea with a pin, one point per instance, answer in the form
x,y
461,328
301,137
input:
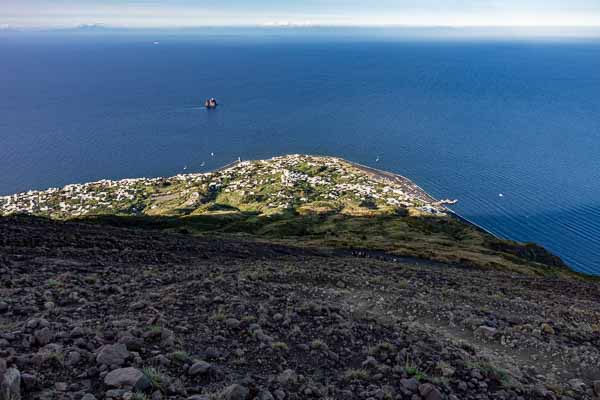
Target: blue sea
x,y
509,127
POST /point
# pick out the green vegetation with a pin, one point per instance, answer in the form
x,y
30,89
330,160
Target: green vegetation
x,y
356,375
157,379
53,283
412,368
318,344
383,349
438,238
496,374
415,373
180,356
55,358
280,346
220,315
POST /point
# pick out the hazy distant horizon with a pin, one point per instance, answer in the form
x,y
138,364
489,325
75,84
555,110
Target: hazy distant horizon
x,y
291,31
191,13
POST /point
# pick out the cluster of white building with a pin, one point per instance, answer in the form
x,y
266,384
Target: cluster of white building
x,y
76,199
278,181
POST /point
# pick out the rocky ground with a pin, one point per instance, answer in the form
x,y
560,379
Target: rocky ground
x,y
94,312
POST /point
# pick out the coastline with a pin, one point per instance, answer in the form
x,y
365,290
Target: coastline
x,y
387,175
381,174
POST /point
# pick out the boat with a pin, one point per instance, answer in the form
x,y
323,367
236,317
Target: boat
x,y
446,202
211,103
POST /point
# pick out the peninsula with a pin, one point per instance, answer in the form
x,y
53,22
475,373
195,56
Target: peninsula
x,y
324,201
297,277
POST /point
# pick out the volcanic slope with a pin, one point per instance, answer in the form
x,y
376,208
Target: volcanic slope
x,y
115,313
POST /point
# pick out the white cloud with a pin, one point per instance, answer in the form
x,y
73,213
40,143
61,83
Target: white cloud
x,y
179,13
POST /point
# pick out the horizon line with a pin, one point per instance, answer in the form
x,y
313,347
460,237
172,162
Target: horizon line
x,y
285,24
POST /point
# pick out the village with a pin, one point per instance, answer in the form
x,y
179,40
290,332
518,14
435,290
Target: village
x,y
264,185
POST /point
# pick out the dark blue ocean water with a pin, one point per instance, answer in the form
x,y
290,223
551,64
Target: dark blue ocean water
x,y
464,119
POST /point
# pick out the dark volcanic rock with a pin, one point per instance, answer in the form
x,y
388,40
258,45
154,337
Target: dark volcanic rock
x,y
179,316
128,377
199,368
235,392
113,354
10,384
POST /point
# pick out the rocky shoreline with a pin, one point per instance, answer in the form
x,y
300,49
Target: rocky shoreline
x,y
389,175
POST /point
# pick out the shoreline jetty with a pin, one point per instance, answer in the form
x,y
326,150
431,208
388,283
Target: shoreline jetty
x,y
392,175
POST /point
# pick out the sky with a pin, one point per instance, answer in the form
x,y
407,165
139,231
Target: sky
x,y
196,13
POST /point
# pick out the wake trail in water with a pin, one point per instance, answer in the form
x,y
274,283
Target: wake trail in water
x,y
184,109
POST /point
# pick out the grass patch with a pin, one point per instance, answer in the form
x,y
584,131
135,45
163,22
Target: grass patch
x,y
279,346
355,375
157,379
499,375
382,349
180,356
56,358
53,283
139,396
412,368
318,344
155,330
